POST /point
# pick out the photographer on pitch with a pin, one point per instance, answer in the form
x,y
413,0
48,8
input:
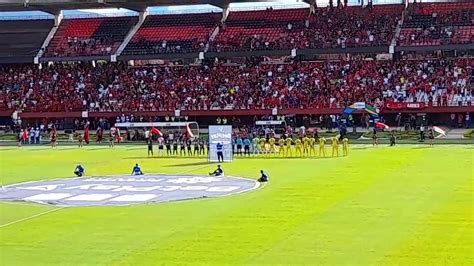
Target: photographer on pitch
x,y
217,172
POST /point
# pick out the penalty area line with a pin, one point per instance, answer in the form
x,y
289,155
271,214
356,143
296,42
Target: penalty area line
x,y
31,217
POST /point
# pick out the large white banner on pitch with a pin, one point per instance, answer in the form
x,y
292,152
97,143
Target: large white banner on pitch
x,y
220,134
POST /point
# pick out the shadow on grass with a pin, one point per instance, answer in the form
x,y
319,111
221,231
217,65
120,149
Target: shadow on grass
x,y
189,164
423,147
235,158
287,158
163,157
51,149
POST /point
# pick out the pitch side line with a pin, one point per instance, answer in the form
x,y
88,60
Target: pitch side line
x,y
31,217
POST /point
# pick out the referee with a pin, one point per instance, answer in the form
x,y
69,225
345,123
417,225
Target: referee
x,y
220,154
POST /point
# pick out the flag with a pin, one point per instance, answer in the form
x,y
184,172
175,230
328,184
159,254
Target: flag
x,y
348,110
119,138
439,130
86,133
371,110
189,134
54,133
155,131
25,134
381,125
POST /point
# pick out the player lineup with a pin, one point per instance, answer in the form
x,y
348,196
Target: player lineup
x,y
284,146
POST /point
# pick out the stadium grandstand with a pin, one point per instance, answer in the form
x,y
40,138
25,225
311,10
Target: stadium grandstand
x,y
310,58
236,132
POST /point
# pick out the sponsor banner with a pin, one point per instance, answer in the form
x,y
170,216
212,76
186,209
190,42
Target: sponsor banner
x,y
397,106
220,134
269,122
358,105
124,190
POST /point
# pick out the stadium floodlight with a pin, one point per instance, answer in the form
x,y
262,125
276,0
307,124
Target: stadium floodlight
x,y
165,127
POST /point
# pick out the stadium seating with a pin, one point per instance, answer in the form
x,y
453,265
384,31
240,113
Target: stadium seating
x,y
297,28
443,23
21,38
173,33
116,87
353,27
90,36
263,29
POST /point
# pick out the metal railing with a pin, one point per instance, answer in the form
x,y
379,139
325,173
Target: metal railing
x,y
26,17
273,5
184,10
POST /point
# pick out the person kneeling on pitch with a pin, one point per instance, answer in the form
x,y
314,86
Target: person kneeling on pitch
x,y
265,177
217,172
136,170
79,171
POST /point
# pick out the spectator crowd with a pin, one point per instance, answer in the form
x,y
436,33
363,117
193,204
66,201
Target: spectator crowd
x,y
426,25
118,87
330,27
324,28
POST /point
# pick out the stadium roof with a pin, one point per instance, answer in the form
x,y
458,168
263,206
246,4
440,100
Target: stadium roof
x,y
55,6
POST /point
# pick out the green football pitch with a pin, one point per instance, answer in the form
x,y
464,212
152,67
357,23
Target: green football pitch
x,y
409,205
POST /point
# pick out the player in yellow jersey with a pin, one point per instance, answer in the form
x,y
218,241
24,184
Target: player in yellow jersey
x,y
289,150
255,147
261,145
345,146
272,141
335,147
298,147
322,149
281,146
305,146
312,149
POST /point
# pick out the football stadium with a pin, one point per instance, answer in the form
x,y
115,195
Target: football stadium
x,y
315,132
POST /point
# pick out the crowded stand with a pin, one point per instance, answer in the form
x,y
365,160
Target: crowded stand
x,y
270,29
90,36
352,27
325,28
173,33
443,23
261,29
324,84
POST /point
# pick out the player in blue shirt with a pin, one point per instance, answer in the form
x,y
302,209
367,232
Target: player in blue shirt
x,y
239,143
136,170
220,152
247,144
80,170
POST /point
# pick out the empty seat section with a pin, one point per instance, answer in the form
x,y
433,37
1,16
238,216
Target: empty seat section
x,y
23,37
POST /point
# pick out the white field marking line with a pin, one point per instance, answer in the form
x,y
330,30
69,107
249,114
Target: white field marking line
x,y
257,185
31,217
62,178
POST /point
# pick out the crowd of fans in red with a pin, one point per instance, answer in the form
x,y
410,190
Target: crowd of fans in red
x,y
336,27
445,23
117,87
325,27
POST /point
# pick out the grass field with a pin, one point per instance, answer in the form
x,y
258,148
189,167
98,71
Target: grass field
x,y
409,205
